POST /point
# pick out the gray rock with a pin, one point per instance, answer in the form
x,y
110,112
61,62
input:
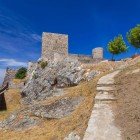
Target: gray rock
x,y
19,120
42,82
58,109
92,74
72,136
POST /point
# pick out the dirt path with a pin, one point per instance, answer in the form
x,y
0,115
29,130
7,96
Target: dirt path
x,y
101,124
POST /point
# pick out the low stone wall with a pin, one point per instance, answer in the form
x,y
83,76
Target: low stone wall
x,y
9,76
31,67
85,58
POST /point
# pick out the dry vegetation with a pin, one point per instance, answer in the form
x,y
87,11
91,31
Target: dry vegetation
x,y
128,107
56,129
12,97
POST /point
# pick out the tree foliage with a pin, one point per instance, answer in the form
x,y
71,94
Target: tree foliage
x,y
21,73
133,37
117,46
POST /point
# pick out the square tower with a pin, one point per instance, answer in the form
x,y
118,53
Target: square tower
x,y
53,45
97,53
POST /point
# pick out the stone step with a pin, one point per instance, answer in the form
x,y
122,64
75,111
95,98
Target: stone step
x,y
104,88
108,79
101,124
104,96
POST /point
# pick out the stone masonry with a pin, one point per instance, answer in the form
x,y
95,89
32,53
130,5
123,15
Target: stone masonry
x,y
9,76
97,53
55,48
54,45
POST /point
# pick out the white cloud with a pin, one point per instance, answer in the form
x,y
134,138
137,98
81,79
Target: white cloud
x,y
16,33
2,74
36,37
12,62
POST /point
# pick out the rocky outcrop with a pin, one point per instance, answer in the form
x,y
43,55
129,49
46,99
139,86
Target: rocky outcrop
x,y
44,82
58,109
19,120
32,115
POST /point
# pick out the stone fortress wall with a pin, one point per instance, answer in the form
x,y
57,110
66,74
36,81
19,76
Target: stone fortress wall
x,y
31,67
55,48
9,76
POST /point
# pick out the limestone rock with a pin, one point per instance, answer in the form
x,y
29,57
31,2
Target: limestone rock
x,y
42,82
58,109
19,120
72,136
92,74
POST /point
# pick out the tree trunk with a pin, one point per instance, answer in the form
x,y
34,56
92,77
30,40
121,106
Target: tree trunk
x,y
112,57
136,51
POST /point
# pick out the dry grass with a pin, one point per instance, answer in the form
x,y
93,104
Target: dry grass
x,y
128,108
18,81
57,129
12,97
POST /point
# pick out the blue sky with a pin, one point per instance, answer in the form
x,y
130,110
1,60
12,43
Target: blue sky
x,y
89,23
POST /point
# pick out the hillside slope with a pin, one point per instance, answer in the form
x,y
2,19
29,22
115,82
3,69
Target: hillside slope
x,y
128,106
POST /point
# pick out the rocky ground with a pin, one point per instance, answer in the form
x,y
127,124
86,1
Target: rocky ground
x,y
56,102
58,129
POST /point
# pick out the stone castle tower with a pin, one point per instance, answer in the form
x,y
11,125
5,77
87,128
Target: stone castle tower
x,y
55,47
97,53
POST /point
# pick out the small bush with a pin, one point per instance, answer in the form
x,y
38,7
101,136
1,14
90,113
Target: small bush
x,y
43,64
35,76
21,73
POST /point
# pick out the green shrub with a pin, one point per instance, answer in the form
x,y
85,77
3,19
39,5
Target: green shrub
x,y
43,64
117,46
21,73
35,76
133,37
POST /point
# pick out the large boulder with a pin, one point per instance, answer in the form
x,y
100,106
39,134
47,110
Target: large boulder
x,y
57,109
43,81
19,120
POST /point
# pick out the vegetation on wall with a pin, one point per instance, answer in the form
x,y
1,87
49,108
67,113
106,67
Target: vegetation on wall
x,y
43,64
21,73
117,46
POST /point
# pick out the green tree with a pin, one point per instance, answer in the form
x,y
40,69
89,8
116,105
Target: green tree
x,y
117,46
21,73
133,37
